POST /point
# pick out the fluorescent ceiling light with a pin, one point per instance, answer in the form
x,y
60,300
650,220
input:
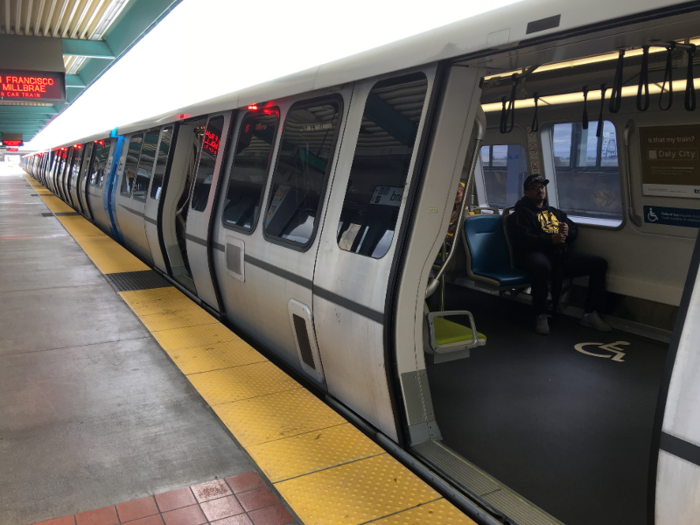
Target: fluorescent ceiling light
x,y
607,57
206,49
594,94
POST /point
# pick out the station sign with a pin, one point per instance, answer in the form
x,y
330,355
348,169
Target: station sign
x,y
10,142
32,86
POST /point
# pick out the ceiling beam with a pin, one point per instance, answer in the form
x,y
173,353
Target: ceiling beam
x,y
86,48
74,81
28,110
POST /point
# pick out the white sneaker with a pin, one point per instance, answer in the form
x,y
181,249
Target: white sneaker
x,y
593,320
541,324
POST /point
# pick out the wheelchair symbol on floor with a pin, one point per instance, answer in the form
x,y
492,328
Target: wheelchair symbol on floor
x,y
616,354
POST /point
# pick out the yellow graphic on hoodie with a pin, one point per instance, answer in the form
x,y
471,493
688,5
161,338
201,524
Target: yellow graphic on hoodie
x,y
548,222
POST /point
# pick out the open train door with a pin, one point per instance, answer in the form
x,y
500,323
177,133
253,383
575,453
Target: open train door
x,y
201,204
675,460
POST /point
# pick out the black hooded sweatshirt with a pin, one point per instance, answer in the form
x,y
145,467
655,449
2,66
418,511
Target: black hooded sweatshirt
x,y
530,229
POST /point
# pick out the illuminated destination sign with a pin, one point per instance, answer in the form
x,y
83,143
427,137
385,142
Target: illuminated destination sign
x,y
32,86
12,143
211,142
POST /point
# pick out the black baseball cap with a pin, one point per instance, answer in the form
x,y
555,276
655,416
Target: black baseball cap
x,y
535,177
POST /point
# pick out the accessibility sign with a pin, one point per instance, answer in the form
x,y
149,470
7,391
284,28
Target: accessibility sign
x,y
672,216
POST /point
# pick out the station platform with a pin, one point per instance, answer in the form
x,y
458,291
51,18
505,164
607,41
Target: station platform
x,y
123,401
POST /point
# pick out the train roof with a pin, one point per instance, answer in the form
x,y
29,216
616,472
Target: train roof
x,y
523,23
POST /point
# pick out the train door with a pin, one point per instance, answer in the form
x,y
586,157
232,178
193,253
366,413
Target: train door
x,y
96,195
83,180
201,204
134,171
152,210
65,174
73,176
675,469
269,233
376,166
559,428
175,198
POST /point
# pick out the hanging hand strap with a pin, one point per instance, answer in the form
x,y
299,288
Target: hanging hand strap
x,y
535,122
643,81
600,116
690,82
668,78
504,115
616,93
584,119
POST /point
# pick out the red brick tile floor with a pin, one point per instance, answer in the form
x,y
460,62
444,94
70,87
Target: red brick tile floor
x,y
244,499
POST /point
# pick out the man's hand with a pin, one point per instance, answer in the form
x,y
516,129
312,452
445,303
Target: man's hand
x,y
559,238
564,228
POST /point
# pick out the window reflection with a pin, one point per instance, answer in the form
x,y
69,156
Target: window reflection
x,y
250,168
211,140
131,163
166,138
146,160
380,165
306,150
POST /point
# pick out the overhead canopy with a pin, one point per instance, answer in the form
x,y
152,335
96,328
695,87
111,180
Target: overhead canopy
x,y
46,42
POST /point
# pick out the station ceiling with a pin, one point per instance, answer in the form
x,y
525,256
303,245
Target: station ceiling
x,y
92,34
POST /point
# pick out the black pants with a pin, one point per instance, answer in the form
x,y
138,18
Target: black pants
x,y
543,269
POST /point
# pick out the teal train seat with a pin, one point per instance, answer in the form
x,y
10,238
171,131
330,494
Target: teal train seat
x,y
489,261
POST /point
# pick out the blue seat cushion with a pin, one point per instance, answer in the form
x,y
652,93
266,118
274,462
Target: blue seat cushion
x,y
488,250
513,278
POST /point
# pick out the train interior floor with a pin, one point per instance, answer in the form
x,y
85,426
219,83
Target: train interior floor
x,y
568,430
120,402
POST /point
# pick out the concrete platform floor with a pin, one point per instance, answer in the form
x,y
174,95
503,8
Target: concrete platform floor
x,y
92,412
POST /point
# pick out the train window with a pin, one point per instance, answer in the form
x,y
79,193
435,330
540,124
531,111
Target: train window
x,y
305,154
86,164
207,160
380,165
99,162
145,169
505,170
166,137
103,157
588,178
250,168
131,164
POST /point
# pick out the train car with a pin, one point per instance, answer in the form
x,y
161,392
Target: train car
x,y
311,213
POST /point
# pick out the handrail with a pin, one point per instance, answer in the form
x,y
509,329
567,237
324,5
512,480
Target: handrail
x,y
631,213
480,123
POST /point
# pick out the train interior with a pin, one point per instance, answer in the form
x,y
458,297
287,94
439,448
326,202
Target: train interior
x,y
565,421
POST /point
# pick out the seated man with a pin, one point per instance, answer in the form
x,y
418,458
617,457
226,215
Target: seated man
x,y
542,238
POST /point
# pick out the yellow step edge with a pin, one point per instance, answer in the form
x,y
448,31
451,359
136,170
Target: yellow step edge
x,y
296,456
356,492
276,416
229,354
194,336
242,382
177,318
440,511
156,300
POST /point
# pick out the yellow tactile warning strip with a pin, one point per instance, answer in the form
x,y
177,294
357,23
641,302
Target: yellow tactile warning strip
x,y
328,471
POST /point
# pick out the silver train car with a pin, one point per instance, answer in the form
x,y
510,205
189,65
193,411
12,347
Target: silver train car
x,y
310,213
